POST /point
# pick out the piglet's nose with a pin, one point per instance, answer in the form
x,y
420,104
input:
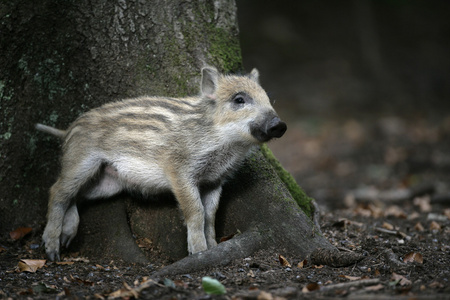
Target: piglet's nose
x,y
276,128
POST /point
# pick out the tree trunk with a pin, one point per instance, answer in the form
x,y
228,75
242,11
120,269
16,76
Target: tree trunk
x,y
63,58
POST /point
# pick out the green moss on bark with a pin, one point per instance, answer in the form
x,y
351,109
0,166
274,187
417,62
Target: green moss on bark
x,y
297,193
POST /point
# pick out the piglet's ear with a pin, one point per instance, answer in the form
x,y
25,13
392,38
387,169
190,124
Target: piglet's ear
x,y
254,75
210,78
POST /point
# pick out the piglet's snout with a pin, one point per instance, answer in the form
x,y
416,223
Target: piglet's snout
x,y
276,128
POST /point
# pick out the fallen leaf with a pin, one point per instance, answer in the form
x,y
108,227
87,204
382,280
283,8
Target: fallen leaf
x,y
20,233
145,243
351,278
419,227
435,226
64,263
396,211
229,237
423,203
377,273
413,257
318,266
31,265
77,259
312,286
413,215
399,279
125,292
265,296
212,286
226,238
377,211
374,287
302,264
181,283
98,296
2,249
447,212
388,226
436,285
283,261
81,281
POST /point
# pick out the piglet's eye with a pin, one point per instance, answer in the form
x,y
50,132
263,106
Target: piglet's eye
x,y
239,100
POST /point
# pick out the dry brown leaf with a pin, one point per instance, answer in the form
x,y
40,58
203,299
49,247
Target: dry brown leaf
x,y
226,238
64,263
413,257
302,264
351,278
447,212
374,287
145,243
283,261
363,212
413,215
312,286
376,210
377,273
318,266
264,296
20,233
436,285
419,227
388,226
423,203
77,259
81,281
2,249
402,280
435,226
30,265
396,211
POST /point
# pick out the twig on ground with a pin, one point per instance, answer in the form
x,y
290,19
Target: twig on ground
x,y
349,284
393,232
393,260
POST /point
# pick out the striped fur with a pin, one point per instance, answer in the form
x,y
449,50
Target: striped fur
x,y
154,144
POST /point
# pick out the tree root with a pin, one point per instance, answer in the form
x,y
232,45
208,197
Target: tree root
x,y
334,258
240,246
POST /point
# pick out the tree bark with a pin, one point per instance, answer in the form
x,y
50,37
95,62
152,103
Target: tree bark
x,y
63,58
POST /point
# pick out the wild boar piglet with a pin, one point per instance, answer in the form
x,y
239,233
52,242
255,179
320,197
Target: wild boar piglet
x,y
188,146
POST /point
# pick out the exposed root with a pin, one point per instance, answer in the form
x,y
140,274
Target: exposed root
x,y
240,246
316,216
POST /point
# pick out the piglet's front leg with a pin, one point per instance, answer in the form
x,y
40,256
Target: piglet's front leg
x,y
210,199
188,197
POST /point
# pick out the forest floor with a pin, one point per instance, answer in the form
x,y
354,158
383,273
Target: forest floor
x,y
383,189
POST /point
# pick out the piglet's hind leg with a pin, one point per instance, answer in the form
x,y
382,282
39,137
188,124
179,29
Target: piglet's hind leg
x,y
57,207
70,225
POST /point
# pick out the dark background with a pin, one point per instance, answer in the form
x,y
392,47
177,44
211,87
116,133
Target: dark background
x,y
363,85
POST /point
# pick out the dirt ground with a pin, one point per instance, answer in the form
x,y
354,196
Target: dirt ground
x,y
383,188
